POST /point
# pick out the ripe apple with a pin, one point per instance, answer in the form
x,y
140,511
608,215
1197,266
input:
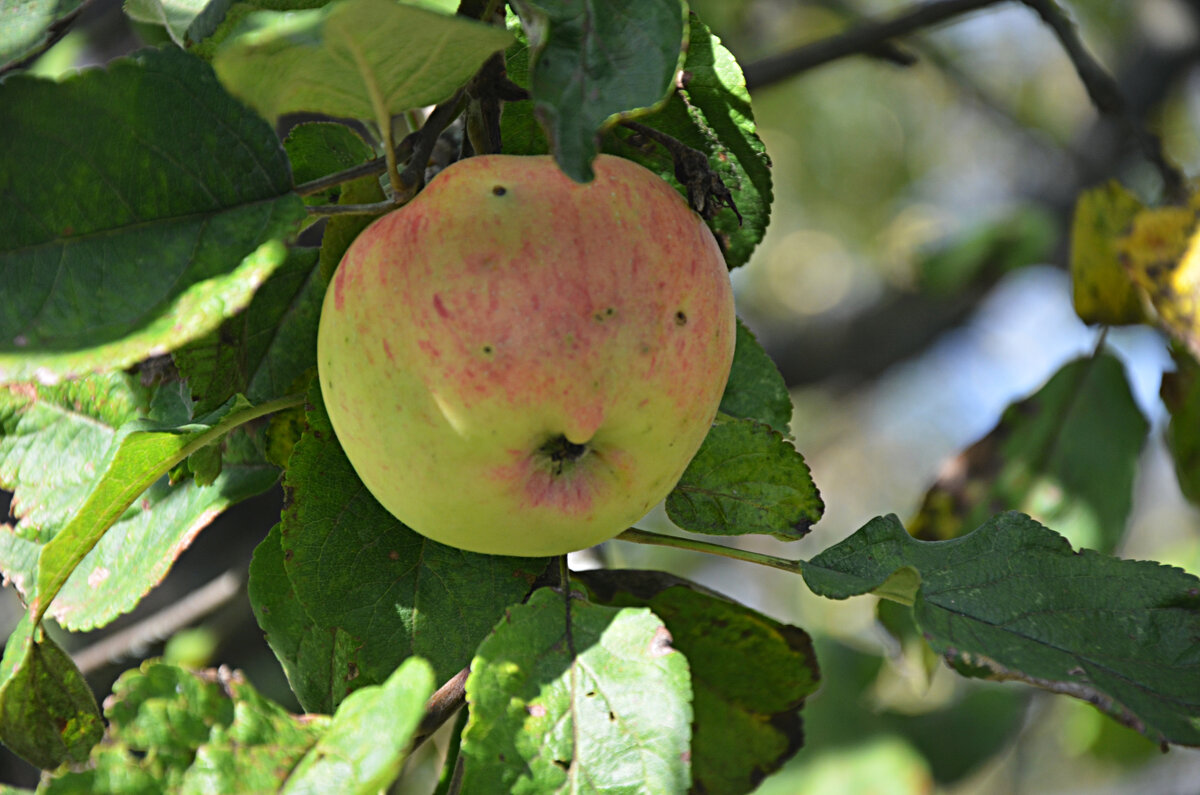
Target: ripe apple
x,y
518,364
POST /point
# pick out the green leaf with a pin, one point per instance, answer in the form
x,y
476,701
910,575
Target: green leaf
x,y
142,452
162,185
1181,394
746,478
756,390
48,714
356,569
750,674
366,743
595,63
712,113
264,349
1066,455
359,59
54,443
317,661
175,16
27,24
1012,600
318,149
581,699
178,731
340,230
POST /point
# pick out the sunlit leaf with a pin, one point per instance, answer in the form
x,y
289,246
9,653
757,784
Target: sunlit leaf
x,y
360,59
1103,291
563,699
750,674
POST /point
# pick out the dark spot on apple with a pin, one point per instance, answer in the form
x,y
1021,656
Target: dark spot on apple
x,y
680,318
487,350
561,451
499,190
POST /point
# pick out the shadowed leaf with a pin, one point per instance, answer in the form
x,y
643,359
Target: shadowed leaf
x,y
1012,600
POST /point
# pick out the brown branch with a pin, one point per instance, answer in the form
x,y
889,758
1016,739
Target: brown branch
x,y
867,38
1104,93
442,705
412,178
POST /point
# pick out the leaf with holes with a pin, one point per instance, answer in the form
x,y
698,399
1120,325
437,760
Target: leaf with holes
x,y
174,730
83,553
750,674
562,699
54,443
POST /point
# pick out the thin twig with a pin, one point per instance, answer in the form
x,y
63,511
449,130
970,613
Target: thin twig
x,y
376,166
643,537
374,208
152,629
1102,89
412,178
866,38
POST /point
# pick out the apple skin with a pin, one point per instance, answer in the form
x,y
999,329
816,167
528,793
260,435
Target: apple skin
x,y
518,364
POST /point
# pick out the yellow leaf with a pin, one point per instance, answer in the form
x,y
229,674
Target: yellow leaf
x,y
1103,292
1162,255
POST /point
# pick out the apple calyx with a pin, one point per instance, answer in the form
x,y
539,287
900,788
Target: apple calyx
x,y
562,453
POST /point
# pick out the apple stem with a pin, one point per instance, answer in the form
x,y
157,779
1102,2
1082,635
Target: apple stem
x,y
642,537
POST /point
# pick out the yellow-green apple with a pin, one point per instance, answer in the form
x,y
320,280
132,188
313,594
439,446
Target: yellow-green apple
x,y
518,364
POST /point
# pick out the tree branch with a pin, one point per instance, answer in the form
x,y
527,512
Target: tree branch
x,y
869,38
1104,93
376,166
154,628
441,705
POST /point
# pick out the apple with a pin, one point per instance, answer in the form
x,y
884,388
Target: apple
x,y
518,364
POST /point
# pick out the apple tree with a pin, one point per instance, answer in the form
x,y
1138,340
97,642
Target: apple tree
x,y
162,292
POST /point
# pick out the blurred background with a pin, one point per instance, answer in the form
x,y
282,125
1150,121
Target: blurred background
x,y
911,285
